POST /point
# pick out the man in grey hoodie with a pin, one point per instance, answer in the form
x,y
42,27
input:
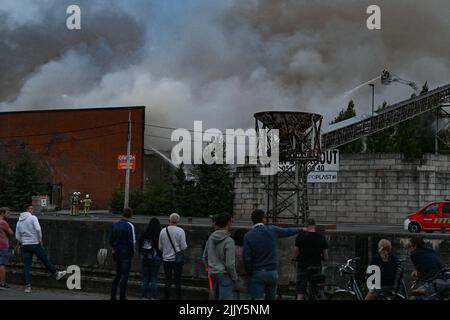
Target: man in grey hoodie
x,y
29,235
219,257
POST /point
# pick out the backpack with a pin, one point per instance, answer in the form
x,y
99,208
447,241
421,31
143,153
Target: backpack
x,y
147,249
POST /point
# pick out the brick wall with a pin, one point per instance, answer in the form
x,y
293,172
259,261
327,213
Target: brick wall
x,y
78,146
371,188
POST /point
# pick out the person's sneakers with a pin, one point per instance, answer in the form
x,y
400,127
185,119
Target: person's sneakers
x,y
4,286
60,274
28,289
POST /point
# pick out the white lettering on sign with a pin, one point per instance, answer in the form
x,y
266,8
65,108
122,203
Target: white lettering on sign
x,y
329,162
124,157
322,177
286,166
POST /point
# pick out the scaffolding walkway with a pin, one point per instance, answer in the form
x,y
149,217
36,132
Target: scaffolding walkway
x,y
388,117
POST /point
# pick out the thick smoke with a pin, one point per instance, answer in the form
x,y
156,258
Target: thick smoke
x,y
216,61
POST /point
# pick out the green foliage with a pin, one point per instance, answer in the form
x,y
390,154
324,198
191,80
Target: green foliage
x,y
184,193
154,199
211,192
214,188
344,114
413,137
20,180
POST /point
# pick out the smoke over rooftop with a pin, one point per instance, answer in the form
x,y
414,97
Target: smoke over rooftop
x,y
216,61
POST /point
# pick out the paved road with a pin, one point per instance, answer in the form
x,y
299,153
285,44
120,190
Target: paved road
x,y
18,293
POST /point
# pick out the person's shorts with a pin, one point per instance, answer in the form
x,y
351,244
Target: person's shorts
x,y
303,276
5,254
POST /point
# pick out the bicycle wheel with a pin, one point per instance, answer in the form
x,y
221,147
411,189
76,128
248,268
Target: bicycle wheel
x,y
343,295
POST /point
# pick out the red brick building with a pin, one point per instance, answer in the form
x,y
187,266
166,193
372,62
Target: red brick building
x,y
80,147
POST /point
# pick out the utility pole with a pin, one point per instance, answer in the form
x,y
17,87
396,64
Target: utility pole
x,y
373,99
127,175
436,151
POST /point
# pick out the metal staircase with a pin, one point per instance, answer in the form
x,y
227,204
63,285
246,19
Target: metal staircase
x,y
388,117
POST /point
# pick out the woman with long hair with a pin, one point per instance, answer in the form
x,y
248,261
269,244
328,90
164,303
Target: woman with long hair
x,y
151,258
389,266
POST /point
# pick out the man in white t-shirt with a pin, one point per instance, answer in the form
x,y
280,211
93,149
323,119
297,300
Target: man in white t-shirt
x,y
172,240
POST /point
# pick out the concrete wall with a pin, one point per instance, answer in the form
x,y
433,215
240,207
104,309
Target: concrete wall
x,y
78,242
371,188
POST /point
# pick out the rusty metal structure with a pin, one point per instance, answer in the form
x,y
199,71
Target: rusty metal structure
x,y
299,146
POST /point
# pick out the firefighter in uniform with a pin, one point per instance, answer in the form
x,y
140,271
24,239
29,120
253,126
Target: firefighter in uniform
x,y
75,204
87,205
72,203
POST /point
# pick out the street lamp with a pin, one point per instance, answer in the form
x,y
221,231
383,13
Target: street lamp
x,y
373,98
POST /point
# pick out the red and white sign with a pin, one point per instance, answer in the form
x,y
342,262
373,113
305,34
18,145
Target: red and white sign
x,y
122,162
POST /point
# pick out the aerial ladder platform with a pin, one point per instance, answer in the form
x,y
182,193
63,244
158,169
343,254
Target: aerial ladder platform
x,y
388,117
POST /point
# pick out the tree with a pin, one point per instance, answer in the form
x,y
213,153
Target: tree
x,y
213,190
344,114
183,193
22,179
413,137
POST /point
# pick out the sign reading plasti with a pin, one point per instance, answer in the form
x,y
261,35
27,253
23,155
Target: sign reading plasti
x,y
325,171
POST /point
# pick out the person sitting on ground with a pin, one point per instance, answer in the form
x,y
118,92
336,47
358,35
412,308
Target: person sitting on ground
x,y
389,266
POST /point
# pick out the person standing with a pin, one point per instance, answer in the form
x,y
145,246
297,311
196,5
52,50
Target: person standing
x,y
311,249
29,235
210,232
122,240
219,257
260,255
87,202
151,258
172,243
5,254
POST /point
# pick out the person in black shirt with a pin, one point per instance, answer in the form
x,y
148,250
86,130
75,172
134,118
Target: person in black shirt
x,y
426,262
311,249
389,266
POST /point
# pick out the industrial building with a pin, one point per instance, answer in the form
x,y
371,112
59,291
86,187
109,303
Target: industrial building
x,y
80,148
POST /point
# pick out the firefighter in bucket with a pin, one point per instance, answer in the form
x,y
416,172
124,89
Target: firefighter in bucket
x,y
87,205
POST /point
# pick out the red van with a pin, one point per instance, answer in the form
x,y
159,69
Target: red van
x,y
434,216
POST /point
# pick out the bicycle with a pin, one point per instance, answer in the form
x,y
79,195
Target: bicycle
x,y
352,290
440,284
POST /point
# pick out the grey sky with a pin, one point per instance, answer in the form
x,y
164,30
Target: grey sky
x,y
216,61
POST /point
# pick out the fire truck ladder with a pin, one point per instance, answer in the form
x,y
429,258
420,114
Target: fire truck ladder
x,y
388,117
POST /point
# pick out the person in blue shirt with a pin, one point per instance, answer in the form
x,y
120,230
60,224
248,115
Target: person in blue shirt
x,y
260,256
122,240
